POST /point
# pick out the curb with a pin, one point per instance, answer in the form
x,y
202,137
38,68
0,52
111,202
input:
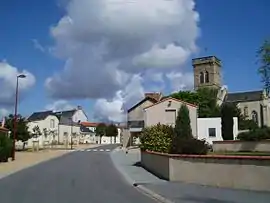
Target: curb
x,y
152,194
136,185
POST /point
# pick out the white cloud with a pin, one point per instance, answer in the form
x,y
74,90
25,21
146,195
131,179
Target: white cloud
x,y
60,105
8,75
107,42
3,112
180,81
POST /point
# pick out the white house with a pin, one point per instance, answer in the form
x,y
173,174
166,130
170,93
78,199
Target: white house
x,y
47,123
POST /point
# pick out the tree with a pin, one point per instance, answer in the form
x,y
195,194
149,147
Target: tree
x,y
182,124
205,98
22,129
227,111
36,131
101,130
263,55
111,131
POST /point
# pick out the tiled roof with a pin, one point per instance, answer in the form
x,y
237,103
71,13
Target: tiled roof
x,y
39,115
244,96
89,124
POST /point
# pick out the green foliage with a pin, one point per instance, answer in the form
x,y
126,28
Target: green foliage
x,y
182,124
111,130
22,129
101,129
255,134
5,148
263,55
189,146
157,138
205,98
227,113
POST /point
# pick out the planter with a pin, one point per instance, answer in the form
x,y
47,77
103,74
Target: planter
x,y
238,145
238,172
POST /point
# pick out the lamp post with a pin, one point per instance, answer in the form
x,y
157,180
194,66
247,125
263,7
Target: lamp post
x,y
15,114
71,132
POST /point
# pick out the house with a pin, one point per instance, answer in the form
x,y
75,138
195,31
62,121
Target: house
x,y
69,124
165,112
58,126
135,116
90,126
47,123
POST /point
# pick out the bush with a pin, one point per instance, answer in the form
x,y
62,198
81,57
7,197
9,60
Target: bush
x,y
157,138
255,134
189,146
227,111
182,124
5,148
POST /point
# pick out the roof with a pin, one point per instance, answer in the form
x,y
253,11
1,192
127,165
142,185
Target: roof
x,y
3,129
141,102
65,116
171,98
39,115
244,96
89,124
84,129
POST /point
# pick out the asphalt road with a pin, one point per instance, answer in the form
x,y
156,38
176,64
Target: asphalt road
x,y
81,177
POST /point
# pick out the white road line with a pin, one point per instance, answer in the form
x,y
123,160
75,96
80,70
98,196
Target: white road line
x,y
89,150
101,150
94,150
107,150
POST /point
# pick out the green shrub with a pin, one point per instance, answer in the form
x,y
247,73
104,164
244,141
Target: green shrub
x,y
255,134
227,112
189,146
5,148
182,125
157,138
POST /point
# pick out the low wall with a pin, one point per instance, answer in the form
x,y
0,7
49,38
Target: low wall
x,y
238,172
238,145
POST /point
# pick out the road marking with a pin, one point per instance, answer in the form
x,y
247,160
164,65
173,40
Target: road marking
x,y
89,150
107,150
94,150
101,150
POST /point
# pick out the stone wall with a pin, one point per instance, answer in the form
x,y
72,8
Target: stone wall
x,y
238,172
238,145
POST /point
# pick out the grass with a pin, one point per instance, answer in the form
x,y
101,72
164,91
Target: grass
x,y
241,153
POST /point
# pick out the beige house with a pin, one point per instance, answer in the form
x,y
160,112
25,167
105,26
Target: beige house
x,y
165,112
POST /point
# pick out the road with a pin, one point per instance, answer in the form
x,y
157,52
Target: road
x,y
81,177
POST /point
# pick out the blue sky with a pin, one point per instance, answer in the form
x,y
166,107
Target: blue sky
x,y
231,30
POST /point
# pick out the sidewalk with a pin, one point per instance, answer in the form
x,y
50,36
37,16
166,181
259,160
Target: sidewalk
x,y
27,159
180,192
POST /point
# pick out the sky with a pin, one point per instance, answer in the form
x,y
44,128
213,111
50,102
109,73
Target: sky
x,y
104,54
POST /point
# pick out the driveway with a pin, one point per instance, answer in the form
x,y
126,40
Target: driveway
x,y
83,176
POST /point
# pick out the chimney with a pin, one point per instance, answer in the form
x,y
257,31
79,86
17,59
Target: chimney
x,y
154,95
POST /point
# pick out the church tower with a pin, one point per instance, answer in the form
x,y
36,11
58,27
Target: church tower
x,y
207,72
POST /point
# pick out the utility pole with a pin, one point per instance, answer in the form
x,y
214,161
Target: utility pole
x,y
71,132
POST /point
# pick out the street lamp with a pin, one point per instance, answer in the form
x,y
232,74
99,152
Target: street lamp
x,y
15,114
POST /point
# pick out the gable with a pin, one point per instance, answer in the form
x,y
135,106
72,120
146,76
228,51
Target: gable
x,y
142,102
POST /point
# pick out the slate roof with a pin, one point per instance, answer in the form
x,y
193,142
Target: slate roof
x,y
244,96
37,116
64,116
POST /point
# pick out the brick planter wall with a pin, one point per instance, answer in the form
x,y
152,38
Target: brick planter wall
x,y
238,172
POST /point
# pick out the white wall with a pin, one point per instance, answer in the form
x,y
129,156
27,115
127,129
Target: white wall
x,y
46,123
205,123
110,140
79,115
67,129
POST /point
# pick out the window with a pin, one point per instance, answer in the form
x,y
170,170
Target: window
x,y
246,111
254,116
212,132
52,123
201,77
65,134
170,116
206,77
